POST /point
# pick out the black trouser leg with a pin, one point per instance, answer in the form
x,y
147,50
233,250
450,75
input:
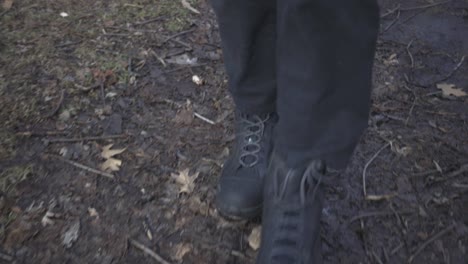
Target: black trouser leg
x,y
320,77
248,33
325,53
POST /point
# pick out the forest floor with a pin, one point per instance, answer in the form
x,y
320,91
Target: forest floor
x,y
77,76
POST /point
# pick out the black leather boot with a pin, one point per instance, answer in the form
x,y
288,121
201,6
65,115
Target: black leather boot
x,y
292,210
240,187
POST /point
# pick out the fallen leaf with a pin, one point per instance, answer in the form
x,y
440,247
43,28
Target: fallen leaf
x,y
71,235
108,153
451,90
111,164
93,212
372,197
186,182
181,250
183,59
189,7
254,238
439,169
197,206
47,219
7,4
197,80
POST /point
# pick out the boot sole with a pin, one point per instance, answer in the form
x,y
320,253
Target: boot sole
x,y
236,214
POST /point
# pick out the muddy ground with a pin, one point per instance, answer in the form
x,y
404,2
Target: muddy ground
x,y
114,72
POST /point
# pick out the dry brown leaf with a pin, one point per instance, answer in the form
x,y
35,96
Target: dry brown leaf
x,y
181,250
7,4
186,182
108,153
111,164
254,238
451,90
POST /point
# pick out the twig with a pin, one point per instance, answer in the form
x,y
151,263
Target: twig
x,y
379,261
209,121
184,68
393,22
396,249
367,165
45,133
398,8
462,169
116,35
178,35
189,7
412,106
374,214
451,73
181,43
148,251
391,11
454,174
148,21
424,6
57,107
103,95
83,167
57,140
409,53
429,241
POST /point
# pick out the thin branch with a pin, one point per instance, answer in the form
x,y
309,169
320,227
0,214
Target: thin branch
x,y
398,8
364,188
148,251
187,5
178,35
455,69
81,166
38,134
454,174
425,6
409,53
209,121
57,140
374,214
148,21
429,241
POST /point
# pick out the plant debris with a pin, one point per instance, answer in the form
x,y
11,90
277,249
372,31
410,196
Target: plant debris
x,y
186,181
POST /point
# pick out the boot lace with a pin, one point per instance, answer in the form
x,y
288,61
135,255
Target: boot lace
x,y
287,241
252,133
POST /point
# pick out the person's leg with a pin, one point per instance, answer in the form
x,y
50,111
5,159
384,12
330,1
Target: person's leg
x,y
248,34
325,52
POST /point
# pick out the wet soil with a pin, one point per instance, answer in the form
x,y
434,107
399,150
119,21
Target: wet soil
x,y
111,72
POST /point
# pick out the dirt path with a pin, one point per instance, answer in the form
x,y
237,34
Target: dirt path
x,y
77,76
